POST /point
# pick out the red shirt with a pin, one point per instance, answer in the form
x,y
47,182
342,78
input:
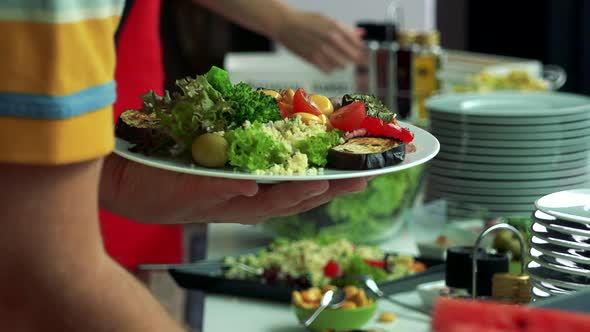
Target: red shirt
x,y
139,69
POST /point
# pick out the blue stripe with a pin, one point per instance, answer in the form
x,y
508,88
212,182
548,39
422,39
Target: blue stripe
x,y
59,5
63,107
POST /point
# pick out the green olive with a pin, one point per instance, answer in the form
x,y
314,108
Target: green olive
x,y
502,240
210,150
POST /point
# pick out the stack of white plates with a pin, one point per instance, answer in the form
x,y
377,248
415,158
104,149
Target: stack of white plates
x,y
500,151
560,244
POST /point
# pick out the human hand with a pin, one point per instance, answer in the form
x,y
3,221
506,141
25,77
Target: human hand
x,y
321,40
151,195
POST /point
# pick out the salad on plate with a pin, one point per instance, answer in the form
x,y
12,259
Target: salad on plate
x,y
320,262
213,123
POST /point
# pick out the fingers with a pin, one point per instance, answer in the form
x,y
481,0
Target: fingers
x,y
337,188
271,200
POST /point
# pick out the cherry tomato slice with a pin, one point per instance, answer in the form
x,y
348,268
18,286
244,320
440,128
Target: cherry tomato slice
x,y
332,269
375,263
349,117
286,109
302,103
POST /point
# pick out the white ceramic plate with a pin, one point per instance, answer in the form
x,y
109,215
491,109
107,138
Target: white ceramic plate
x,y
562,226
538,135
497,144
574,255
549,288
566,241
436,124
481,184
508,168
509,176
515,191
517,121
489,151
557,158
563,280
427,146
510,104
571,205
558,264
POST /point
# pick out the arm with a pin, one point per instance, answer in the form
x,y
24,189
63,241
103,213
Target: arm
x,y
315,37
54,273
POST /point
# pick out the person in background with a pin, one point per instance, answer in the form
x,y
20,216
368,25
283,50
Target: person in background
x,y
56,169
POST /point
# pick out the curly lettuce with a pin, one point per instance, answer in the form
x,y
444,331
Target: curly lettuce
x,y
316,147
254,148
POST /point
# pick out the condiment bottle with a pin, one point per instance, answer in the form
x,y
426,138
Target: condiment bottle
x,y
405,53
427,62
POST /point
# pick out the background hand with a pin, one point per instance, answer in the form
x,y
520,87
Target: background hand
x,y
321,40
152,195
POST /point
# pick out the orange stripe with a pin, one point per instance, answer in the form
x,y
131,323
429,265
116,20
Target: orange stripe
x,y
56,59
52,142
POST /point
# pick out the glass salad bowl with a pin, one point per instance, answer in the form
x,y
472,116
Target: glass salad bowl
x,y
369,217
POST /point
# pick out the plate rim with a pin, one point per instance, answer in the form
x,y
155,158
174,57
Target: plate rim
x,y
554,281
563,215
450,103
434,148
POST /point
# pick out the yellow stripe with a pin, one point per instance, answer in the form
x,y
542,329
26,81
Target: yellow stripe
x,y
56,59
53,142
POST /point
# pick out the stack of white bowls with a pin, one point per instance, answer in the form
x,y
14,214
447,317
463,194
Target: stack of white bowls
x,y
560,244
502,150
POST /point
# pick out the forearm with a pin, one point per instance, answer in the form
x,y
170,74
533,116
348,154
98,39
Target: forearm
x,y
261,16
54,273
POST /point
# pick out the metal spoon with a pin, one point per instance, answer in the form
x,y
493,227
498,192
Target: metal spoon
x,y
372,286
332,298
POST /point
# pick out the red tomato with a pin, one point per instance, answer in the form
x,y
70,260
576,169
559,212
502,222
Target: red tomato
x,y
332,269
286,109
377,127
349,117
375,263
303,103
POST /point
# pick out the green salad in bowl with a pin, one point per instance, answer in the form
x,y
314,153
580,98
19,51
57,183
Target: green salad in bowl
x,y
365,218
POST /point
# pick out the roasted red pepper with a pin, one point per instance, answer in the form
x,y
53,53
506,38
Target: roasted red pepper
x,y
377,128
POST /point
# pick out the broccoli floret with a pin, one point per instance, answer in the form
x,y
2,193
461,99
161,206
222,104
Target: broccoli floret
x,y
219,79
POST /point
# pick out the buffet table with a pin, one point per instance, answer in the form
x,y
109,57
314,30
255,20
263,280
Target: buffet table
x,y
226,313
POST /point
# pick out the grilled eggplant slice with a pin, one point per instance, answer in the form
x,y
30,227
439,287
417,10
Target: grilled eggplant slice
x,y
362,153
135,126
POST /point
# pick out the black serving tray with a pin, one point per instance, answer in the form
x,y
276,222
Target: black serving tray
x,y
208,277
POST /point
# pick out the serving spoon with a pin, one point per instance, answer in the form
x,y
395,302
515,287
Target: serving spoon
x,y
373,288
332,298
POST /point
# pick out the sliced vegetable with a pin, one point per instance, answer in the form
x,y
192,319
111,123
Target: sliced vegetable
x,y
379,128
349,117
303,104
287,96
361,153
275,94
323,104
375,263
375,107
307,118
